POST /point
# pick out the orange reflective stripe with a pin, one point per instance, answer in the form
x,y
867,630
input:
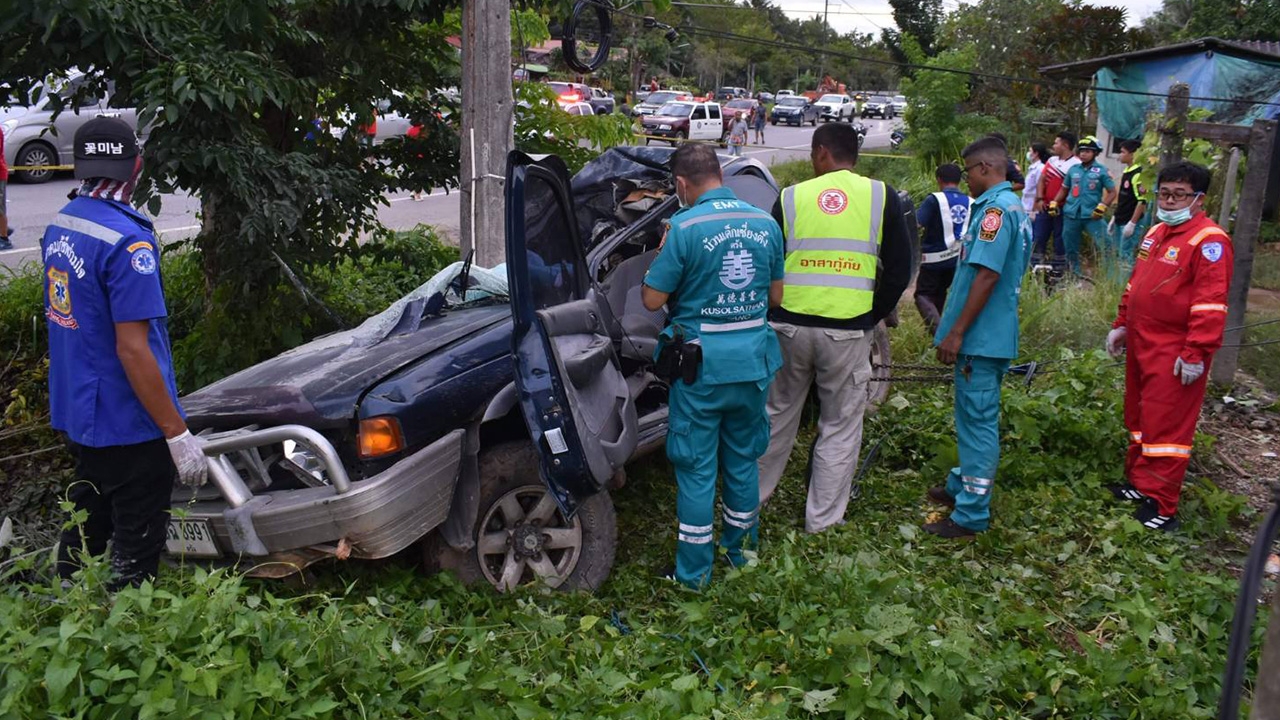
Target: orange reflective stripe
x,y
1209,307
1200,236
1166,450
1135,437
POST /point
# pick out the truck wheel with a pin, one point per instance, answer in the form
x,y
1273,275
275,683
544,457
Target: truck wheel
x,y
681,136
36,154
878,388
814,121
774,122
521,535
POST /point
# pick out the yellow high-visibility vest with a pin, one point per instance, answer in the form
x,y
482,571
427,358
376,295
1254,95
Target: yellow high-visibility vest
x,y
834,228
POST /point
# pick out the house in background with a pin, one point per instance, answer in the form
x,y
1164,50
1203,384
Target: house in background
x,y
1248,71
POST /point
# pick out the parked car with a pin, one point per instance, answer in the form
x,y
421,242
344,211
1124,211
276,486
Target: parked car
x,y
602,101
489,427
835,106
878,106
899,103
742,105
579,108
785,92
766,98
569,92
656,100
725,94
33,138
685,120
794,110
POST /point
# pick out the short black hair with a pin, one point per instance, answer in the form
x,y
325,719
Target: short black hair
x,y
1131,145
949,173
1040,151
1197,176
839,140
990,151
1069,138
695,162
999,136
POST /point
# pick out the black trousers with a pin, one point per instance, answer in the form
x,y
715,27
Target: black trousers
x,y
125,491
931,293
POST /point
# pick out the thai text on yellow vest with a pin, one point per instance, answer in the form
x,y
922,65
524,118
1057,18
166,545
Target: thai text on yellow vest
x,y
833,225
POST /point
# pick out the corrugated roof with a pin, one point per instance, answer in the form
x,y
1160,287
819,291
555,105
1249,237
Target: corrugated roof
x,y
1251,49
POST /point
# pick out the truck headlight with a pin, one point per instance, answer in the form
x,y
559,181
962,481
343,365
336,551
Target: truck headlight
x,y
664,127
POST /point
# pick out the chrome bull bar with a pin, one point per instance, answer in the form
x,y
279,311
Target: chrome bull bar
x,y
227,479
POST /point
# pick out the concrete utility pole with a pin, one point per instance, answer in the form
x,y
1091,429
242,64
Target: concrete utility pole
x,y
487,108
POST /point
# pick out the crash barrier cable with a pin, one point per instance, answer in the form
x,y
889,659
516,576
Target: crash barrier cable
x,y
1246,609
1252,325
616,621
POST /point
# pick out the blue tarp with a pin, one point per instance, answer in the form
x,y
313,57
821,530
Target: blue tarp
x,y
1209,74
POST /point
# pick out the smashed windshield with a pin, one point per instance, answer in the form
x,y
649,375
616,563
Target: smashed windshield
x,y
675,110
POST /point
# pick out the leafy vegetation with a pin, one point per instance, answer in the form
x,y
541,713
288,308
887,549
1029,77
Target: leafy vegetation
x,y
1067,608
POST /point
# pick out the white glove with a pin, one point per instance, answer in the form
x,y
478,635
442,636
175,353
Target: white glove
x,y
1116,341
1189,372
1127,231
187,452
1111,226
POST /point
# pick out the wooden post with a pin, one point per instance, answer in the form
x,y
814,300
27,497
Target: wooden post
x,y
1175,123
1229,189
487,108
1248,223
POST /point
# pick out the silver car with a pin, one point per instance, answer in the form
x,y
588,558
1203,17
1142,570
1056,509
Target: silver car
x,y
33,138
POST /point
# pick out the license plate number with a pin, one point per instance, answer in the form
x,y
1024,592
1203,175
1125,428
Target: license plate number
x,y
191,537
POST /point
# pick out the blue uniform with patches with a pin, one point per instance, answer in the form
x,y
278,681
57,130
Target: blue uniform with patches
x,y
717,262
101,267
1084,185
998,238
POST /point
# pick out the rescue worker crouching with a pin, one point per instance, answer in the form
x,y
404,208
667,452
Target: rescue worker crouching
x,y
1170,322
718,272
848,261
979,335
943,217
111,384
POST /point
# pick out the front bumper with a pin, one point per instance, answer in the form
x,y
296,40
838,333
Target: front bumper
x,y
656,132
377,517
789,119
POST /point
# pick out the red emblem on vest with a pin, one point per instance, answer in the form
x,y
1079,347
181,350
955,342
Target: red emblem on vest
x,y
833,201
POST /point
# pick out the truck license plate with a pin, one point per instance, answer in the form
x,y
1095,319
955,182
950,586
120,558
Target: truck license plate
x,y
193,538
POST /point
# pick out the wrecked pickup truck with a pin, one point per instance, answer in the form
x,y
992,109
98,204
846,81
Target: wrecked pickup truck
x,y
484,417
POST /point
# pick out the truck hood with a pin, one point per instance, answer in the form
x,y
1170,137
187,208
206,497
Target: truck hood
x,y
673,119
320,383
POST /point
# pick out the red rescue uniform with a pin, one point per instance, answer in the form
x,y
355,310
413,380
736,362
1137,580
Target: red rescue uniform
x,y
1175,306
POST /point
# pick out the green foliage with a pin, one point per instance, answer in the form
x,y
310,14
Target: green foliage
x,y
918,19
1181,20
229,89
542,127
1066,608
938,131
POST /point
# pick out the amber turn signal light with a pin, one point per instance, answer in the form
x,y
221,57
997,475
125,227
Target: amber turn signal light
x,y
380,436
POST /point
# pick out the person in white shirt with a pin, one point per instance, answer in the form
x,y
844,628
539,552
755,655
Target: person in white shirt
x,y
1036,158
1051,177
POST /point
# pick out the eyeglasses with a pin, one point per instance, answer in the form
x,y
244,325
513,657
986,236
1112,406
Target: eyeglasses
x,y
964,174
1176,195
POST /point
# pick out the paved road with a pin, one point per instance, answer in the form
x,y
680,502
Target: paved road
x,y
32,207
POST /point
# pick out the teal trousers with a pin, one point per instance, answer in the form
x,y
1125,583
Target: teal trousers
x,y
977,414
1073,230
1128,247
716,430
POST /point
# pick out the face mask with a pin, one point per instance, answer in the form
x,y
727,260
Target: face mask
x,y
680,198
1176,217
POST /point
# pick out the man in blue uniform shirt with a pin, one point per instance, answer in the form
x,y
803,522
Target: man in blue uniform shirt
x,y
979,335
719,271
1087,192
942,217
111,386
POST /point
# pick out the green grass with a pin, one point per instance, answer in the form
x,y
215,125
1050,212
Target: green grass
x,y
1266,268
1066,608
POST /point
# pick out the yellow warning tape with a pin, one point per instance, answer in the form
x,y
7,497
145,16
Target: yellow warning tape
x,y
32,168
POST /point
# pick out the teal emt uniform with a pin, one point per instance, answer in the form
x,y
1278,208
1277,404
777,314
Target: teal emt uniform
x,y
998,238
1085,185
717,262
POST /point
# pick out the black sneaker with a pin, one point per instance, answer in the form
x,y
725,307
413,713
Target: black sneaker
x,y
1148,514
667,573
950,530
5,243
1125,491
938,494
